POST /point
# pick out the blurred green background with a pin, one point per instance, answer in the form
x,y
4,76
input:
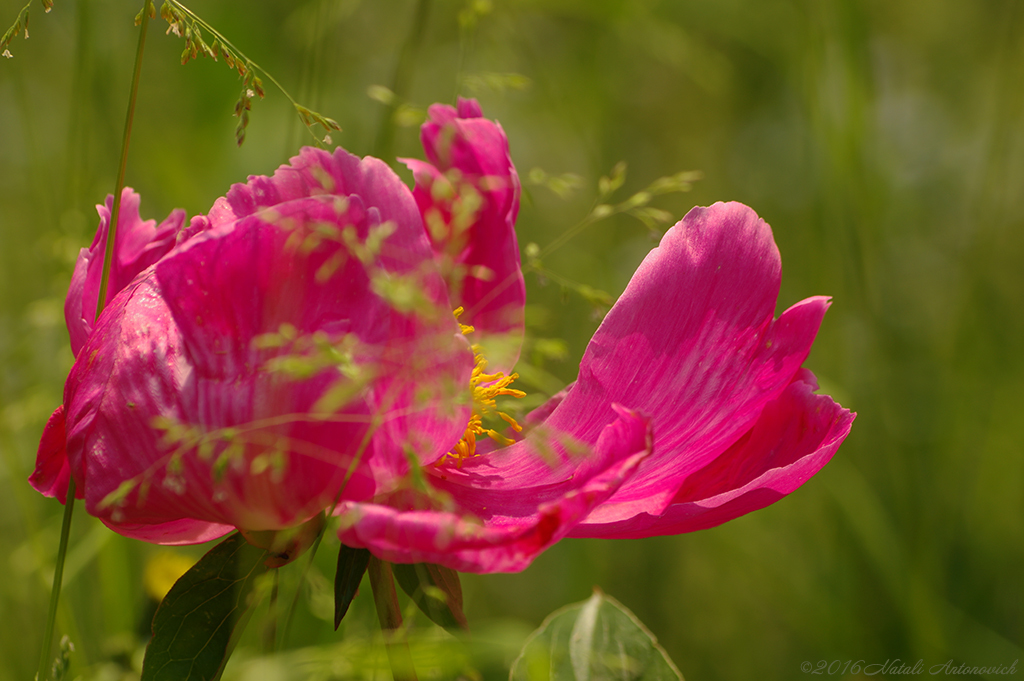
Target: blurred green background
x,y
883,141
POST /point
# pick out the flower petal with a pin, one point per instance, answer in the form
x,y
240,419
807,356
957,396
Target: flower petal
x,y
691,343
138,244
795,436
315,172
173,533
236,339
509,505
52,473
468,194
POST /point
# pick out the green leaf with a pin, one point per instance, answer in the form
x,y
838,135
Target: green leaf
x,y
598,639
351,568
436,590
196,626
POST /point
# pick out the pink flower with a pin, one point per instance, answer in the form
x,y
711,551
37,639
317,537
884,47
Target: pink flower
x,y
296,351
296,348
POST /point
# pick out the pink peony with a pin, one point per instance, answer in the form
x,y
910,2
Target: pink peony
x,y
297,351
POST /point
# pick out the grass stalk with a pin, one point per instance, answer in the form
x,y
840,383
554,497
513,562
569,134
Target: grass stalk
x,y
69,504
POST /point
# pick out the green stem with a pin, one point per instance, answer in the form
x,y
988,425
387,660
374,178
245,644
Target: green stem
x,y
390,616
69,503
101,299
58,577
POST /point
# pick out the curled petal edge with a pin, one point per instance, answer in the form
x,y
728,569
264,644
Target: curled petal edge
x,y
499,543
814,425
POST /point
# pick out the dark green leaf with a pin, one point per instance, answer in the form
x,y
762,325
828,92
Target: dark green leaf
x,y
351,568
436,590
194,627
596,639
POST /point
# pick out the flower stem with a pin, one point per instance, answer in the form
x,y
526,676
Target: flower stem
x,y
108,256
69,502
58,577
390,617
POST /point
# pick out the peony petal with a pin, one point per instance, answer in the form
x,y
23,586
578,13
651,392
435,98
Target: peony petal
x,y
138,244
691,343
795,436
315,172
468,194
511,504
52,473
173,533
181,348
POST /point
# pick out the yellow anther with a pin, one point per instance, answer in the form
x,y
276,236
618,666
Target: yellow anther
x,y
499,438
485,388
465,328
511,421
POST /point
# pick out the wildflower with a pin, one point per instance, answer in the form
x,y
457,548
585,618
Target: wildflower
x,y
297,351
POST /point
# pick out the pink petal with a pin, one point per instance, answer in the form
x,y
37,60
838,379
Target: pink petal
x,y
173,533
52,474
795,436
315,172
508,505
138,244
178,344
469,157
692,344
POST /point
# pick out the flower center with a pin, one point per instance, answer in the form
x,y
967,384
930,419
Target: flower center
x,y
485,388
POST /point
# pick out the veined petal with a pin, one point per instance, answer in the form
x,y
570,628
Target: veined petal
x,y
468,194
692,344
315,172
138,244
235,382
795,436
506,507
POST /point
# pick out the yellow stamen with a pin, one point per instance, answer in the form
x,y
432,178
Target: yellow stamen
x,y
485,388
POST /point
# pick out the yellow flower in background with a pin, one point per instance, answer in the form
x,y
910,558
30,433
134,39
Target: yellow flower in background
x,y
163,569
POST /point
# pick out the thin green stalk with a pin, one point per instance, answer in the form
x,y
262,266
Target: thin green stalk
x,y
390,616
309,118
101,300
58,576
224,41
69,504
